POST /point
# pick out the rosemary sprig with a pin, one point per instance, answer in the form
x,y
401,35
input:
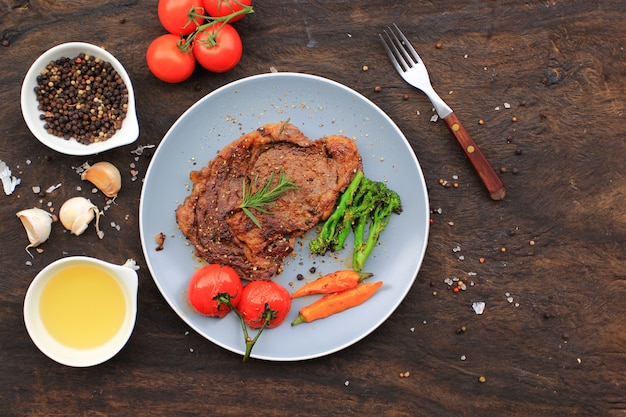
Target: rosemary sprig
x,y
265,195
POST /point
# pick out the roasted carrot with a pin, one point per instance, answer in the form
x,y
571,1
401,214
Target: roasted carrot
x,y
336,302
333,282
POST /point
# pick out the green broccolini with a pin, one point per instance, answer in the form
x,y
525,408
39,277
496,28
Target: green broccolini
x,y
365,206
325,240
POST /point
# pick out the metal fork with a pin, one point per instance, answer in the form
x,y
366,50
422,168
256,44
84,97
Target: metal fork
x,y
413,71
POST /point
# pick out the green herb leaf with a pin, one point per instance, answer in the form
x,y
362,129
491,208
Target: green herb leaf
x,y
264,196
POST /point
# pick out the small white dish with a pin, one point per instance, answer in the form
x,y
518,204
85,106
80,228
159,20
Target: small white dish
x,y
45,336
124,136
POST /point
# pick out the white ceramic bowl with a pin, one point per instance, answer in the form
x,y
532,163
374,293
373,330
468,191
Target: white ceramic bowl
x,y
124,136
125,276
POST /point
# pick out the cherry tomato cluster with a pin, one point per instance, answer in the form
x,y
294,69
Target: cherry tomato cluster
x,y
215,290
199,31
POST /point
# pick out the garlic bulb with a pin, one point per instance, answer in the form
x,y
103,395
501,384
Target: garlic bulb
x,y
38,224
105,176
76,214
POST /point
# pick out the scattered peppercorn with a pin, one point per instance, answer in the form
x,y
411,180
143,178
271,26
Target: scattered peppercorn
x,y
365,68
378,89
514,119
405,97
481,122
299,277
312,269
82,98
503,169
482,379
439,45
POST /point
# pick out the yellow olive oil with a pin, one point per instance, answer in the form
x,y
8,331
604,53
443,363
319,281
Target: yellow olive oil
x,y
82,306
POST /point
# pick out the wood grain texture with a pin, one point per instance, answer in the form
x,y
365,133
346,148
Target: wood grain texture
x,y
547,260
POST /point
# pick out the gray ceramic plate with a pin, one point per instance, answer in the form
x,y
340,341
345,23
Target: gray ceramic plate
x,y
318,107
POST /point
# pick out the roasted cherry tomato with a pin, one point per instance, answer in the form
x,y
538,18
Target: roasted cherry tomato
x,y
218,48
256,295
209,281
173,15
167,61
219,8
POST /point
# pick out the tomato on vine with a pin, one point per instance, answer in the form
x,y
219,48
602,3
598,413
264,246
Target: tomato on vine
x,y
220,8
173,15
210,285
168,60
218,47
264,304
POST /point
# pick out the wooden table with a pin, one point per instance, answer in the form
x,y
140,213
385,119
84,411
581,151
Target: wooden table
x,y
539,84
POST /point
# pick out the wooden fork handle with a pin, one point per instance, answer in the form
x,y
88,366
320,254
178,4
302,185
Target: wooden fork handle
x,y
485,171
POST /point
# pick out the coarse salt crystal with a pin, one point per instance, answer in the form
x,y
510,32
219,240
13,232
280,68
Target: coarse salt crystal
x,y
507,106
132,264
36,189
52,188
434,118
479,307
346,383
139,149
9,182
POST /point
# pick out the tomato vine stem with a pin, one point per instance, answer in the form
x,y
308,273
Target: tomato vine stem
x,y
186,43
267,315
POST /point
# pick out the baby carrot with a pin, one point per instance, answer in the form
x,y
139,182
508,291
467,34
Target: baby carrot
x,y
333,282
336,302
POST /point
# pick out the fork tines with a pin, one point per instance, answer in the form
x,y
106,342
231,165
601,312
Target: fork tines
x,y
399,49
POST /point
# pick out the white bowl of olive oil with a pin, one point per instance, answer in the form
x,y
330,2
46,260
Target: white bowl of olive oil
x,y
81,311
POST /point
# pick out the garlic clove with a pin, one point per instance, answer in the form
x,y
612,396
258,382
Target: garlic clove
x,y
105,176
38,224
76,214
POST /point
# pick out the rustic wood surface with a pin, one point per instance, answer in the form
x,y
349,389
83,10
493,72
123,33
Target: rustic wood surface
x,y
548,260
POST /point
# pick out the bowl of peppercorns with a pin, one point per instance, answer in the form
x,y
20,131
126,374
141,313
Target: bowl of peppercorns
x,y
78,99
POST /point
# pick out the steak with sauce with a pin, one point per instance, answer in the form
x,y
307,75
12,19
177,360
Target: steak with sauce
x,y
211,219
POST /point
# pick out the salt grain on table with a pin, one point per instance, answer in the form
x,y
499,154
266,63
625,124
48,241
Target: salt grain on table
x,y
479,307
9,182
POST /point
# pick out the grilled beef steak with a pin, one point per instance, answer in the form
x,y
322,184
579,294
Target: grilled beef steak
x,y
211,217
